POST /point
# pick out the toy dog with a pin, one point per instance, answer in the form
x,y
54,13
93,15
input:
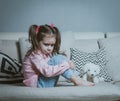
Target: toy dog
x,y
91,73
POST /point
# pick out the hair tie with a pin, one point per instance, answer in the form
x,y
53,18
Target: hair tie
x,y
52,25
37,29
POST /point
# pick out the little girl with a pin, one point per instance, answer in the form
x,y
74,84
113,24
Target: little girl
x,y
38,67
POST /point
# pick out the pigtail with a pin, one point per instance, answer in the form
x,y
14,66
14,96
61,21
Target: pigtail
x,y
58,41
33,31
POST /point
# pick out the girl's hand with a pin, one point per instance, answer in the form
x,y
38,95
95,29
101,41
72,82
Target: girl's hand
x,y
71,63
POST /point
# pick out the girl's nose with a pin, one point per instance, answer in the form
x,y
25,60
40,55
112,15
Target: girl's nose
x,y
49,48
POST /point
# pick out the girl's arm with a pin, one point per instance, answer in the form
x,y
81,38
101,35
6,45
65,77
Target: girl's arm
x,y
49,70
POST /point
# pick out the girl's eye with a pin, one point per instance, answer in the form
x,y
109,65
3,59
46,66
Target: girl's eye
x,y
48,44
52,45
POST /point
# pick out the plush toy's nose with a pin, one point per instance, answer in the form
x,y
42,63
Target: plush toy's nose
x,y
92,74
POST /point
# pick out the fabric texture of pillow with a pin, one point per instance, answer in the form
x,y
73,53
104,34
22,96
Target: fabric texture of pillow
x,y
10,69
80,58
24,47
112,49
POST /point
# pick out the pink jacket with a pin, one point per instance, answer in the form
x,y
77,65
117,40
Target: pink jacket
x,y
35,64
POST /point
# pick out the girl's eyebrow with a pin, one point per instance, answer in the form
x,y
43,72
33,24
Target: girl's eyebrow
x,y
48,44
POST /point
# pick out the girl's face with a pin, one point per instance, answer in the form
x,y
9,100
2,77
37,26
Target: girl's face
x,y
47,44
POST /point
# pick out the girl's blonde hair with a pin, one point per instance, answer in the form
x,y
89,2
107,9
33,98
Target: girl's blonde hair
x,y
37,33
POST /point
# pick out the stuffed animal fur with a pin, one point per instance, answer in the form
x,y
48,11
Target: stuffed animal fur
x,y
91,72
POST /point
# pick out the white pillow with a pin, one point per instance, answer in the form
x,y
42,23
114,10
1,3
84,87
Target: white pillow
x,y
24,46
10,69
112,48
81,58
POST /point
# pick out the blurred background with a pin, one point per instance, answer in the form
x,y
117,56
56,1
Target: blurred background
x,y
67,15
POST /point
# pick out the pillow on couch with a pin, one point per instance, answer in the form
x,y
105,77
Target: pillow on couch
x,y
10,69
80,58
24,46
112,49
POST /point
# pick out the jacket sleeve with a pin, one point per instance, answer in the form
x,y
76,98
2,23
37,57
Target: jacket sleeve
x,y
49,70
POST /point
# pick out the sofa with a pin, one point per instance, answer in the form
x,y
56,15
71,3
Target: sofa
x,y
97,47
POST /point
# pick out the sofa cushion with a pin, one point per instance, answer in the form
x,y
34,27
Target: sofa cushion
x,y
10,69
101,92
112,34
10,47
67,39
112,49
86,41
86,45
80,58
24,46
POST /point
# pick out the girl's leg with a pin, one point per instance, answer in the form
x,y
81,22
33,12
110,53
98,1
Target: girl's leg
x,y
68,74
74,77
44,82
